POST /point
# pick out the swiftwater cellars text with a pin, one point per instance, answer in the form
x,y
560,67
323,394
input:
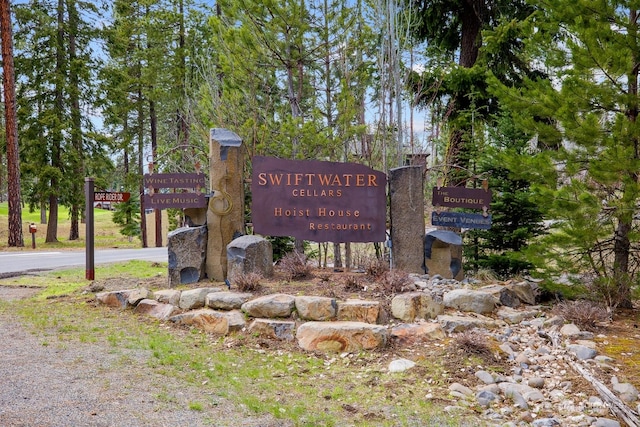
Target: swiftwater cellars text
x,y
318,201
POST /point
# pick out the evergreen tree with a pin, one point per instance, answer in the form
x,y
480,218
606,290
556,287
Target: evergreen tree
x,y
455,74
587,166
516,219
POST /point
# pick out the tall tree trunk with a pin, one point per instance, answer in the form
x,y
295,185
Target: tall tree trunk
x,y
622,244
472,19
56,144
153,121
11,129
143,215
77,184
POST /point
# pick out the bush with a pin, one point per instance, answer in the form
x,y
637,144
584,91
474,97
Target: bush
x,y
294,265
583,313
375,267
395,281
472,342
248,282
353,283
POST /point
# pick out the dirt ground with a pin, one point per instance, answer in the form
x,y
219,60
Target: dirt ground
x,y
617,339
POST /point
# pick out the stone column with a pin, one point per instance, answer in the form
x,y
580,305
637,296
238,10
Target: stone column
x,y
406,210
225,214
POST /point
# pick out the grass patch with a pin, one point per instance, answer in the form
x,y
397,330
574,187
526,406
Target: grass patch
x,y
306,388
106,233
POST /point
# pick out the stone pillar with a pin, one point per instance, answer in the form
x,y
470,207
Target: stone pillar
x,y
406,207
225,214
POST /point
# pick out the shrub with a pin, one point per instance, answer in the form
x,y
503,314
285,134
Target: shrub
x,y
583,313
294,265
375,267
353,283
472,342
395,281
248,282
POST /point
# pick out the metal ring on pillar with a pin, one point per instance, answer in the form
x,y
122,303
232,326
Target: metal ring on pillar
x,y
225,197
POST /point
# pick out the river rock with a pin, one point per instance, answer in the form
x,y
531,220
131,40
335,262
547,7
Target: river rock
x,y
276,305
357,310
470,300
224,300
341,336
155,309
316,308
205,319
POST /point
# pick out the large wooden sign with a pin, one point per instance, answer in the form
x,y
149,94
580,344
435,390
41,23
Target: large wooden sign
x,y
182,199
318,201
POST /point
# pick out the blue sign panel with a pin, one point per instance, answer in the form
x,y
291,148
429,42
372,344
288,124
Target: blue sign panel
x,y
461,220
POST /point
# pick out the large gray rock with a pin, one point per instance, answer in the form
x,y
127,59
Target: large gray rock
x,y
194,298
249,254
443,254
226,300
187,247
470,300
415,305
116,299
526,291
155,309
270,328
411,333
452,323
167,296
205,319
359,310
406,207
316,308
341,336
276,305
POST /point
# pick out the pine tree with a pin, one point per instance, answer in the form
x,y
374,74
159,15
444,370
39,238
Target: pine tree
x,y
587,166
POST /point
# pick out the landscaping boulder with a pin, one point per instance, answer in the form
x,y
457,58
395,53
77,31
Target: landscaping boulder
x,y
187,248
249,254
341,336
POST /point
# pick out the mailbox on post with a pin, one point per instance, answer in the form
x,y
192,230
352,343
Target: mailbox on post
x,y
32,229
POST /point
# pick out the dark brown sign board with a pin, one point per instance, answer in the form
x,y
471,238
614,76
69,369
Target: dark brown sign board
x,y
110,196
318,200
461,220
461,197
175,200
174,180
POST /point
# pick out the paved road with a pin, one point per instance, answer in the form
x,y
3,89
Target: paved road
x,y
15,262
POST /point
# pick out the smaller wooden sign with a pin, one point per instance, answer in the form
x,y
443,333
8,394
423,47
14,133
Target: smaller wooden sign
x,y
111,196
175,200
461,220
461,197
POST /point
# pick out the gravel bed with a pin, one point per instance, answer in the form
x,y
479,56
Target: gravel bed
x,y
49,383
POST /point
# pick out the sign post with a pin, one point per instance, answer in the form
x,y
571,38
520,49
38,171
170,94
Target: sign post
x,y
89,249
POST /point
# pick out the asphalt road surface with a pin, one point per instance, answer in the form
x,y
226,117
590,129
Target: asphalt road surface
x,y
23,261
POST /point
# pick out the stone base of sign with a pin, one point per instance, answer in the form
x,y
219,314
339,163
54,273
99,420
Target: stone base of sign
x,y
249,254
406,208
443,254
187,248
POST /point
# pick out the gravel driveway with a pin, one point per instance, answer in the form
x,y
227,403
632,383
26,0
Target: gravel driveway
x,y
45,382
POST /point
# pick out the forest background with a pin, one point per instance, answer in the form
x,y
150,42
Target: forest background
x,y
537,98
